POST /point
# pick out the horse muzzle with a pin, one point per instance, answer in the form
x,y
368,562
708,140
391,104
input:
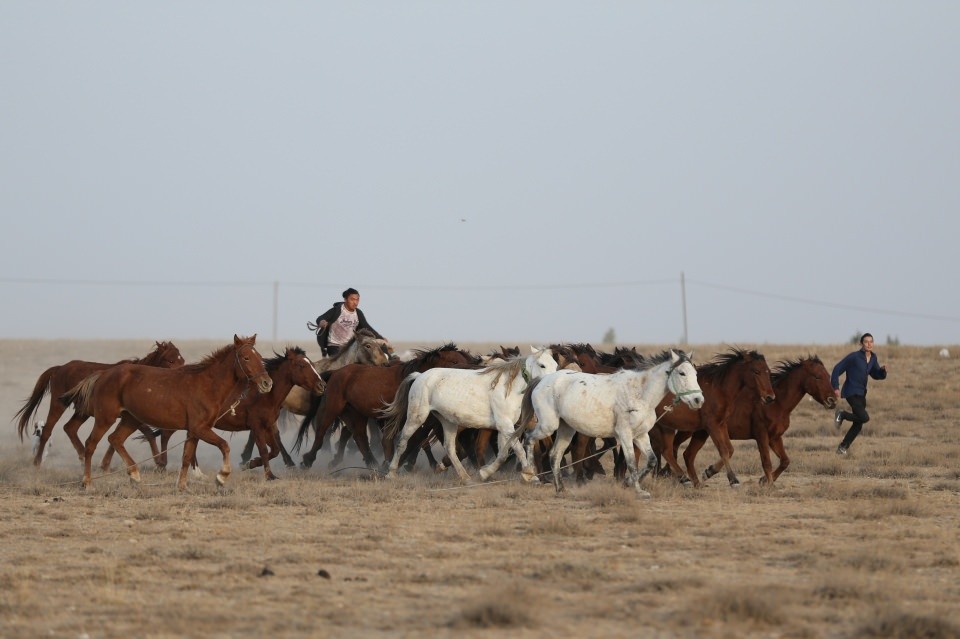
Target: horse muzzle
x,y
830,402
694,401
265,384
768,399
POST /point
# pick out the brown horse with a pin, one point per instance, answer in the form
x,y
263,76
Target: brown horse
x,y
738,376
193,397
363,348
767,423
258,412
355,394
59,379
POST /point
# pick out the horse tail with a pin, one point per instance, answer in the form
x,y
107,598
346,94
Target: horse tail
x,y
315,403
153,434
30,407
526,411
80,394
394,414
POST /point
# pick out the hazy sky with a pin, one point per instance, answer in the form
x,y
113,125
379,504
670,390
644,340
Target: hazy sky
x,y
504,171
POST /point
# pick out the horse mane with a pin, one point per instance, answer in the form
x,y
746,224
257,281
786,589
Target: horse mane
x,y
274,362
784,368
421,355
511,368
646,363
721,364
210,359
562,350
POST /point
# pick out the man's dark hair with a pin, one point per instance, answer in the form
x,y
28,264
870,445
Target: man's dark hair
x,y
865,336
350,291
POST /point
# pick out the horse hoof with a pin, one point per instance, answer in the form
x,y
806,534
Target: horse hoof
x,y
685,481
221,480
272,477
735,484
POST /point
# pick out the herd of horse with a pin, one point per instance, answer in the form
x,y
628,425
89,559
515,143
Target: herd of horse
x,y
559,400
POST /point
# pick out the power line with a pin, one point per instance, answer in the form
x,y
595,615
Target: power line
x,y
809,302
478,287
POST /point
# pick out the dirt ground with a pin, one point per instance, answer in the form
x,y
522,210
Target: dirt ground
x,y
861,546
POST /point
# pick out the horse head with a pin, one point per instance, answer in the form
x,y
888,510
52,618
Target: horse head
x,y
816,382
371,349
757,366
682,380
164,355
303,373
251,363
539,362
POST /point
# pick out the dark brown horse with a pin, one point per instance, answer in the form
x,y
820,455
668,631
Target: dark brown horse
x,y
257,412
739,376
356,392
57,380
193,397
767,423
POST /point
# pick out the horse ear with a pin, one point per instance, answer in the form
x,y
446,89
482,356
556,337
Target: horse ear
x,y
236,340
673,356
253,338
534,349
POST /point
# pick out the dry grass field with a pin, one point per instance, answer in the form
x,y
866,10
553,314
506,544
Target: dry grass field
x,y
862,546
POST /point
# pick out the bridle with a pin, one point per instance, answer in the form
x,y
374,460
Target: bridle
x,y
671,385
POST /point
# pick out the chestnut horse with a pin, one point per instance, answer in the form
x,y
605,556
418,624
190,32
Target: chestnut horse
x,y
193,397
59,379
732,378
357,392
258,413
767,423
363,347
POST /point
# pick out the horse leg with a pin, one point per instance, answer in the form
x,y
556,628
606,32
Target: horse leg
x,y
480,447
259,432
697,440
626,440
71,428
100,427
409,428
345,434
54,413
287,459
561,439
128,425
165,436
580,449
247,452
206,434
450,431
358,426
642,444
502,453
669,453
776,443
721,439
107,458
189,452
152,440
763,446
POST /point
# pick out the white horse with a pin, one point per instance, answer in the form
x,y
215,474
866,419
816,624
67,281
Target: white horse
x,y
620,405
463,398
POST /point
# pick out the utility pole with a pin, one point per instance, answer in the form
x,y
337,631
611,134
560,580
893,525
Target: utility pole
x,y
683,303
